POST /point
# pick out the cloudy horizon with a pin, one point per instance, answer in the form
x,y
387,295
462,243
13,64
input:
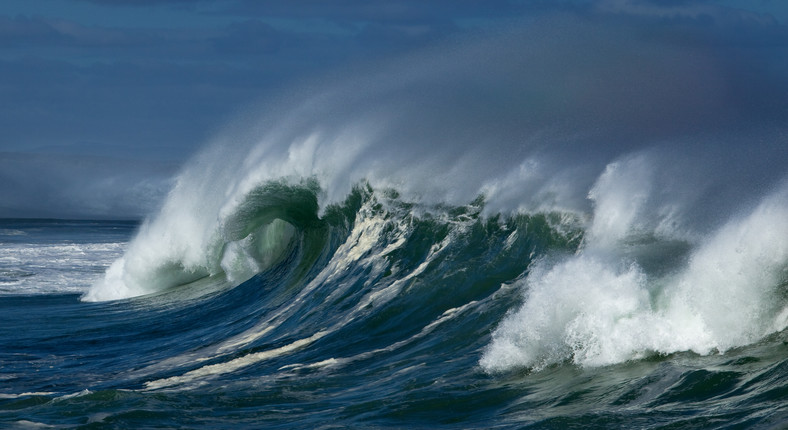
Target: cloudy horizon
x,y
103,101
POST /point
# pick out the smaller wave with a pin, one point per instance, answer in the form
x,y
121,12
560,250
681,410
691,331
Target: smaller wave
x,y
12,232
36,268
604,306
26,394
12,276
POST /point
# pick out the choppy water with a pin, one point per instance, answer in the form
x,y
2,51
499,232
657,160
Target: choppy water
x,y
376,314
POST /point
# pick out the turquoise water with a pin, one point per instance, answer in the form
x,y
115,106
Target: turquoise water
x,y
377,312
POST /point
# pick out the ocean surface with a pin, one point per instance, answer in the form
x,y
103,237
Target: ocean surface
x,y
574,226
376,312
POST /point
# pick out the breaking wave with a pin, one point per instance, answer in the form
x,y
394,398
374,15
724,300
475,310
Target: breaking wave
x,y
601,223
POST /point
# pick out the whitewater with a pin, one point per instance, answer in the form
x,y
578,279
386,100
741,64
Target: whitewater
x,y
499,234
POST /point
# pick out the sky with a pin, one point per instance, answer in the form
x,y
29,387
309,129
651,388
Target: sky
x,y
103,101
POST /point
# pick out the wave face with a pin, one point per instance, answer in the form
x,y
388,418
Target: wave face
x,y
616,286
683,231
468,237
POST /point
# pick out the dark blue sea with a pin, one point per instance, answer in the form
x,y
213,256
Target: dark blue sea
x,y
573,226
577,224
376,311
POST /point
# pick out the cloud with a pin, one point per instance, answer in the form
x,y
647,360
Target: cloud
x,y
703,10
140,3
371,11
636,69
81,186
24,31
248,37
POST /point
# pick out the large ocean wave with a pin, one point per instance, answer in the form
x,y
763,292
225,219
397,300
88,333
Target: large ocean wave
x,y
581,224
626,212
594,291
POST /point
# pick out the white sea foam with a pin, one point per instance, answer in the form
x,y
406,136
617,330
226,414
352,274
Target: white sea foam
x,y
601,307
25,424
200,375
26,394
36,268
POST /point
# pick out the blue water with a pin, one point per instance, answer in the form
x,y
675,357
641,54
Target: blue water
x,y
371,314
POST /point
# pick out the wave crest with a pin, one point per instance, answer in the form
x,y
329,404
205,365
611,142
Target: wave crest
x,y
184,244
610,303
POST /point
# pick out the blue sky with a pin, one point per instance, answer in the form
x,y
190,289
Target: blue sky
x,y
102,100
